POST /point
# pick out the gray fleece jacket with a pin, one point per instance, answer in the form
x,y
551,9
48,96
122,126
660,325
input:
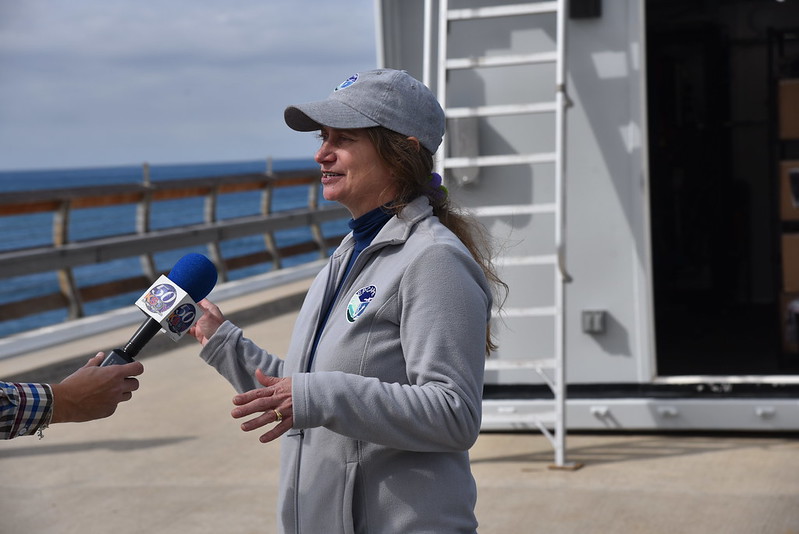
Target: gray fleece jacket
x,y
384,420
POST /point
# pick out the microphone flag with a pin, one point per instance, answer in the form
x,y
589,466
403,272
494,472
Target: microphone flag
x,y
171,306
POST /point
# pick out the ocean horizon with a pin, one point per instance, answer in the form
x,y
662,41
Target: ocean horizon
x,y
35,230
12,180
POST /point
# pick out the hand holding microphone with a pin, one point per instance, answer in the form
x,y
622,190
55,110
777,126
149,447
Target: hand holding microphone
x,y
94,393
171,305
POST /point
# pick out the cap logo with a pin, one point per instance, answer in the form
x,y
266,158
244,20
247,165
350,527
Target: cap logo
x,y
359,301
349,81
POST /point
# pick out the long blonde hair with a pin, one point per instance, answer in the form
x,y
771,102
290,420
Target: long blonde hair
x,y
412,167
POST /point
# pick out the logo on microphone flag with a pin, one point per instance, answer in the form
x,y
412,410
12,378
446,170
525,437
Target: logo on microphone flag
x,y
160,297
180,320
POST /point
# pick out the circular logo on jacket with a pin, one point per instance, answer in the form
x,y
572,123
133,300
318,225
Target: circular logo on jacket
x,y
359,301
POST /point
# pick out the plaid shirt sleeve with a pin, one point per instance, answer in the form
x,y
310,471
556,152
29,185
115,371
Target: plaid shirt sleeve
x,y
24,409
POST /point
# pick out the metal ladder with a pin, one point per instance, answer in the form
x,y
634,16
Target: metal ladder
x,y
552,370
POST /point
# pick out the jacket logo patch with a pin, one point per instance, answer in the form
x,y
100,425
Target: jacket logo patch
x,y
359,301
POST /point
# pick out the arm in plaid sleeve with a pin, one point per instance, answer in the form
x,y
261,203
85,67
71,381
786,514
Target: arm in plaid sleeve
x,y
24,409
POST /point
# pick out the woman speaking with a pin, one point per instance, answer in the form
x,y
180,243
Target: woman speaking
x,y
379,397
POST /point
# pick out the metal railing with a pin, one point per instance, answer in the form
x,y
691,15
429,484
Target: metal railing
x,y
64,255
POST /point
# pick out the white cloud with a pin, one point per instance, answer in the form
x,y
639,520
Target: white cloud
x,y
107,82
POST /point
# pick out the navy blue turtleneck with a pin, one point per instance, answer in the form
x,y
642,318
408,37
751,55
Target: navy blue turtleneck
x,y
364,229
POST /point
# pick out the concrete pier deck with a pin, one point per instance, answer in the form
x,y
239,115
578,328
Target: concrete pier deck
x,y
172,460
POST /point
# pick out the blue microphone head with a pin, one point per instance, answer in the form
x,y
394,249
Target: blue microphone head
x,y
195,274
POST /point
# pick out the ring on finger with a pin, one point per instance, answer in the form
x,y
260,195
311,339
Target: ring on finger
x,y
278,415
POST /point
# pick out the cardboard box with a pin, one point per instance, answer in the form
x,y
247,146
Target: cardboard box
x,y
790,262
789,190
789,109
789,322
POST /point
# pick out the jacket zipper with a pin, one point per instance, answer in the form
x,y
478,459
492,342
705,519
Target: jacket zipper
x,y
300,437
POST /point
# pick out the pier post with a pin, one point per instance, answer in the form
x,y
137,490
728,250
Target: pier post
x,y
143,222
66,279
266,209
214,250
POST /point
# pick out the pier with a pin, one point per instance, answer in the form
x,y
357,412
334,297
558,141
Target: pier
x,y
64,254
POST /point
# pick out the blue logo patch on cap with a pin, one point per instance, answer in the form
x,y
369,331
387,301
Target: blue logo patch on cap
x,y
349,81
359,301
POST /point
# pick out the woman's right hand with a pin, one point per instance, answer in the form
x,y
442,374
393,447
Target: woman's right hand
x,y
207,325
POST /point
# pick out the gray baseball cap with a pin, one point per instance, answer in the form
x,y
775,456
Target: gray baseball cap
x,y
383,97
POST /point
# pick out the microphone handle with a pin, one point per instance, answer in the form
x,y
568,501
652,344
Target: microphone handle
x,y
142,336
145,333
116,357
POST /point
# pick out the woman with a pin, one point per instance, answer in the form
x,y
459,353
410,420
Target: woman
x,y
379,397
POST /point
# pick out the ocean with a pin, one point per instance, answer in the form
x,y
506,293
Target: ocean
x,y
34,230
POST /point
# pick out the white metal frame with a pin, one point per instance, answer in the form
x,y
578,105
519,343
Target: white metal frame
x,y
551,370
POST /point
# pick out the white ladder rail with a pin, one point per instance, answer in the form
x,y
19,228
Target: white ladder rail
x,y
496,111
520,261
556,381
427,44
511,10
507,159
531,311
501,61
514,210
441,77
504,365
560,245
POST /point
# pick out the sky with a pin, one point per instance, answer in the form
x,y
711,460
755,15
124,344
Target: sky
x,y
95,83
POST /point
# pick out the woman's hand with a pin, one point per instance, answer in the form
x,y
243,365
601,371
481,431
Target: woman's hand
x,y
273,402
208,323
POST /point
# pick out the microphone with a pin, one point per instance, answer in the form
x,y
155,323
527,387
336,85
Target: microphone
x,y
171,304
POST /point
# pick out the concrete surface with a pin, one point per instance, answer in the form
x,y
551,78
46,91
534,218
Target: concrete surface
x,y
173,460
